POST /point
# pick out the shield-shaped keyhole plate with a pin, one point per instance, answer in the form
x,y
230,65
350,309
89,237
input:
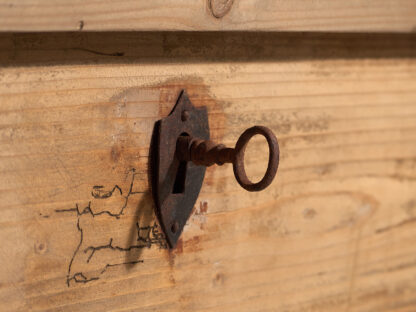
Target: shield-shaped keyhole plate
x,y
176,184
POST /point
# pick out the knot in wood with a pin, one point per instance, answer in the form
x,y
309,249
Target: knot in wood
x,y
219,8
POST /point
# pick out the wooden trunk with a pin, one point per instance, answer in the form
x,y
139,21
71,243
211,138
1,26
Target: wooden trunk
x,y
334,232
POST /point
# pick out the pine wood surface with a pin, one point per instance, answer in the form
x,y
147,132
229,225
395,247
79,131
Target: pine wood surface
x,y
334,232
203,15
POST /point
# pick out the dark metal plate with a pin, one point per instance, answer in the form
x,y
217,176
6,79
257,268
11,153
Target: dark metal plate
x,y
176,184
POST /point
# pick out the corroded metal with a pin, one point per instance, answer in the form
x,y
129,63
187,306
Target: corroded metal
x,y
207,153
181,151
273,164
175,183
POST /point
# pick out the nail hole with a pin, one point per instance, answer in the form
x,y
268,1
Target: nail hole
x,y
175,227
185,115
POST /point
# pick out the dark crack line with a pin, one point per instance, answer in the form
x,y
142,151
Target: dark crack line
x,y
68,278
108,265
88,210
97,191
110,246
146,241
98,52
81,278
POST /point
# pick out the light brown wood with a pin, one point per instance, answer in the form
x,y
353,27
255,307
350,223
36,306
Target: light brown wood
x,y
203,15
334,232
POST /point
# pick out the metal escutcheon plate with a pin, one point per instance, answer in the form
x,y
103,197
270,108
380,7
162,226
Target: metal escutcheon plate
x,y
175,184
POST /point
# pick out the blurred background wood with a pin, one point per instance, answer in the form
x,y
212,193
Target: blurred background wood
x,y
334,232
203,15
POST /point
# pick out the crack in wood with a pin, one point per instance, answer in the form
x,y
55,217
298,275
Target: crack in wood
x,y
147,236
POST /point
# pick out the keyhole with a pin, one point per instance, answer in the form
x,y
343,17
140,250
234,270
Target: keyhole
x,y
179,185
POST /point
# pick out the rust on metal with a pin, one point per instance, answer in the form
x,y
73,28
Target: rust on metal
x,y
273,164
176,183
207,153
181,151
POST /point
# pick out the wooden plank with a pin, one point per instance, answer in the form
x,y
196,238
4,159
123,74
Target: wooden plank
x,y
203,15
335,231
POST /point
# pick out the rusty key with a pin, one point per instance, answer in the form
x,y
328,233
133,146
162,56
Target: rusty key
x,y
208,153
181,151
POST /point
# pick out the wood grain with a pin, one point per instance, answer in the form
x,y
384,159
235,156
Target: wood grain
x,y
203,15
334,232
